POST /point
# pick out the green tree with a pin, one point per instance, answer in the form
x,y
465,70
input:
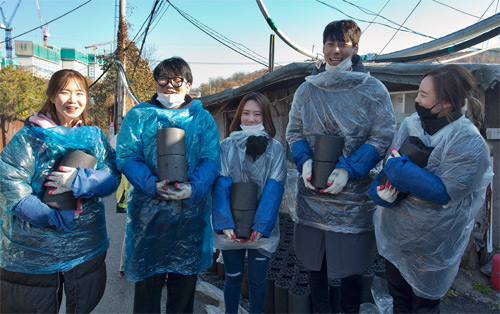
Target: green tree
x,y
20,92
103,92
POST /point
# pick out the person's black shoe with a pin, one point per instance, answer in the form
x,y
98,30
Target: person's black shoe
x,y
120,210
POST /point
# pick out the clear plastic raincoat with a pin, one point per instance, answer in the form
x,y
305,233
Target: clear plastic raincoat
x,y
167,236
424,240
349,104
25,163
269,172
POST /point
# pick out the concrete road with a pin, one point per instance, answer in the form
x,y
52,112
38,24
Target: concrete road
x,y
119,294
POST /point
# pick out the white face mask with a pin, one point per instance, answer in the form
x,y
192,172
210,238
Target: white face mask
x,y
344,65
170,101
252,128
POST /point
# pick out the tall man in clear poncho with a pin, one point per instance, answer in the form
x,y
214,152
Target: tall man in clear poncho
x,y
168,226
334,234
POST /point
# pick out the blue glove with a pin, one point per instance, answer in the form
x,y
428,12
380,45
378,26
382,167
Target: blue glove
x,y
37,213
91,183
139,175
221,204
374,195
360,162
269,205
301,152
202,179
407,177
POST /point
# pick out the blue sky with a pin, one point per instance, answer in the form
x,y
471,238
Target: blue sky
x,y
242,22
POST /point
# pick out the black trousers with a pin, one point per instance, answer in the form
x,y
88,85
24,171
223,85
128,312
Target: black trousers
x,y
404,300
180,293
351,289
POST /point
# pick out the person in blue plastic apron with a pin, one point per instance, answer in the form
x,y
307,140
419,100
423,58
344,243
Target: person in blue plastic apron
x,y
45,251
250,155
423,235
333,234
168,231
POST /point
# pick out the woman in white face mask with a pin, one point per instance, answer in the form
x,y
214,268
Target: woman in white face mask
x,y
250,155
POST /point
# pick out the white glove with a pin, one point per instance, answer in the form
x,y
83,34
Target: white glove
x,y
307,167
388,194
180,191
255,236
161,190
229,233
336,181
394,153
62,180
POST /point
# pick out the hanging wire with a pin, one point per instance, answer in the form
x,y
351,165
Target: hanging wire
x,y
376,15
36,28
401,27
453,8
492,1
144,38
222,39
401,24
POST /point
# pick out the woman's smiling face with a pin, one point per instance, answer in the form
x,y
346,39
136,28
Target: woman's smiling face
x,y
70,102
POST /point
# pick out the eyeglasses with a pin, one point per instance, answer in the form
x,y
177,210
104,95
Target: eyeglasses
x,y
175,81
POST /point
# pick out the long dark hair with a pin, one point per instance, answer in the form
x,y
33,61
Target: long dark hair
x,y
454,84
58,81
265,107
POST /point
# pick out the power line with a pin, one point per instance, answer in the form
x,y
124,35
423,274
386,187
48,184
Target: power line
x,y
453,8
486,10
222,39
377,15
36,28
401,25
144,39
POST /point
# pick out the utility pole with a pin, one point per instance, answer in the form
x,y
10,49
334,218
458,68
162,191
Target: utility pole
x,y
271,53
120,105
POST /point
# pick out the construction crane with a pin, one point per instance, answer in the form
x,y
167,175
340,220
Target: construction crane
x,y
8,30
101,44
44,27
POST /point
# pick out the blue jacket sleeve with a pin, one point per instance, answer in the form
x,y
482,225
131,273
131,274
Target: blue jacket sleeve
x,y
269,205
37,213
407,177
360,162
373,193
139,175
301,152
221,204
202,179
93,183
